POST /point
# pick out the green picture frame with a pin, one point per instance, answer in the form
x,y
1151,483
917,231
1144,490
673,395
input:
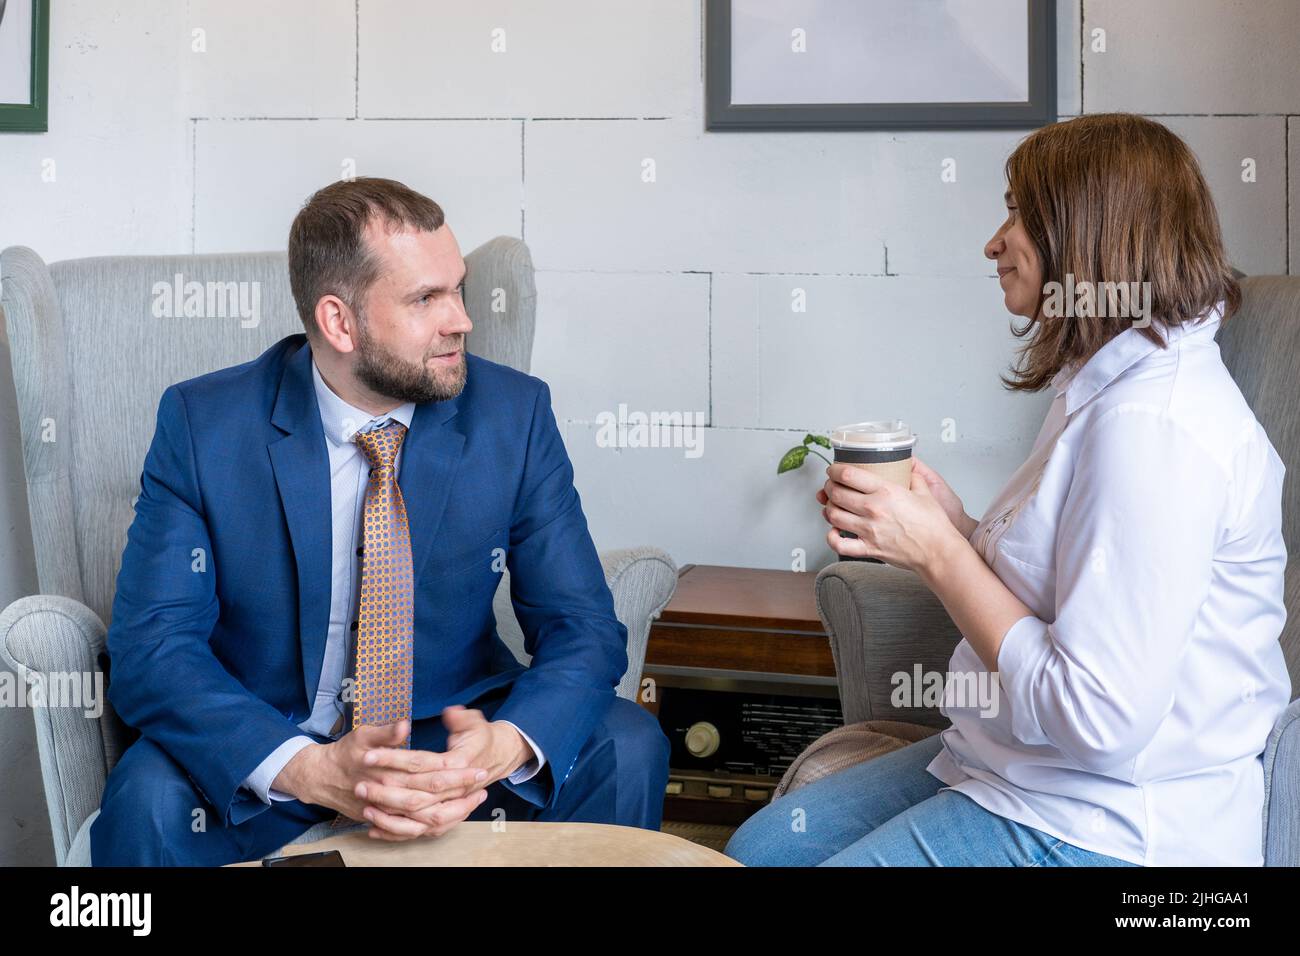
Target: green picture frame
x,y
33,116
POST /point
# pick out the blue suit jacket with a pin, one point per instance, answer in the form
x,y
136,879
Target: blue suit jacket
x,y
222,605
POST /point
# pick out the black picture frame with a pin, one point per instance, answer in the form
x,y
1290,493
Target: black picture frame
x,y
720,114
33,117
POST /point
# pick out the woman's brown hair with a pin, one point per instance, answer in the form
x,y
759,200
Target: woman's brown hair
x,y
1114,198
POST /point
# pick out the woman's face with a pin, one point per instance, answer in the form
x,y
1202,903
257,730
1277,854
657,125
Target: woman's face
x,y
1020,271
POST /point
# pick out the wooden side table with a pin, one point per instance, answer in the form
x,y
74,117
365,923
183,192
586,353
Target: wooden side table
x,y
743,680
742,620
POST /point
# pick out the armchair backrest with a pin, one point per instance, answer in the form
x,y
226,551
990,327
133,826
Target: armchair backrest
x,y
1261,348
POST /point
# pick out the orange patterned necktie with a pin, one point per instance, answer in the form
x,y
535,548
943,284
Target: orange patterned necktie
x,y
381,660
385,620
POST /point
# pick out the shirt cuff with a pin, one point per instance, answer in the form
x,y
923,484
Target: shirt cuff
x,y
532,767
1022,656
260,780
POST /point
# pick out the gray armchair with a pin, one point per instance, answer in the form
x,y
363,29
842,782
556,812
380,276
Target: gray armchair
x,y
94,342
882,620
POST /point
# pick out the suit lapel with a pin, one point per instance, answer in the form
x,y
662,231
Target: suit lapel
x,y
430,458
302,473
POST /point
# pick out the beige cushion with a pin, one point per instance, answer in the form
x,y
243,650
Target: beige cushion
x,y
848,745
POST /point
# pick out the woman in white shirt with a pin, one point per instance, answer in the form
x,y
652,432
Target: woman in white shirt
x,y
1123,594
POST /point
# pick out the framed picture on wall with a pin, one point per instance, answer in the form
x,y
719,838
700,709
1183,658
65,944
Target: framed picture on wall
x,y
24,65
879,64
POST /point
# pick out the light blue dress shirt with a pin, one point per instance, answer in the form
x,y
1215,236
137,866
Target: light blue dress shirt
x,y
349,476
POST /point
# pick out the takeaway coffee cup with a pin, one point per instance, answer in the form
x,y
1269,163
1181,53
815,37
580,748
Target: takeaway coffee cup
x,y
883,448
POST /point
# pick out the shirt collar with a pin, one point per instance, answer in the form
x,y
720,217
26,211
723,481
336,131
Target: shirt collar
x,y
342,420
1123,352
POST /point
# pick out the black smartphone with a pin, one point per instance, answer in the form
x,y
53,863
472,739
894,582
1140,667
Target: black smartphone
x,y
324,858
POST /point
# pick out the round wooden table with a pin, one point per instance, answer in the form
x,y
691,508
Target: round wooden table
x,y
485,843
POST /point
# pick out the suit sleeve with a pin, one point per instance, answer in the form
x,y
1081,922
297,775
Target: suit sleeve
x,y
166,681
565,610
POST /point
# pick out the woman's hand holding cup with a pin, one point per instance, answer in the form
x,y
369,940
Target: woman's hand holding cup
x,y
947,498
907,527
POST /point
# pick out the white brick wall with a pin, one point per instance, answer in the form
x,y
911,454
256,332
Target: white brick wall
x,y
251,177
666,295
1177,57
672,292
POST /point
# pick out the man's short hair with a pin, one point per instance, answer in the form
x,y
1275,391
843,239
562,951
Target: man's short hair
x,y
328,254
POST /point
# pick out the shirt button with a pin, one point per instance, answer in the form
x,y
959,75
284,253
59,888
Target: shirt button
x,y
354,625
359,551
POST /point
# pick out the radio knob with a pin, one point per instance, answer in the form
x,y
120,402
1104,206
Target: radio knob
x,y
702,739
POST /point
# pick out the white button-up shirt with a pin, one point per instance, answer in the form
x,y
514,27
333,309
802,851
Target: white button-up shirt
x,y
1145,534
349,477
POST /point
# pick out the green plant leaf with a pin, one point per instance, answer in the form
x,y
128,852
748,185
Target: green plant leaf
x,y
817,440
792,459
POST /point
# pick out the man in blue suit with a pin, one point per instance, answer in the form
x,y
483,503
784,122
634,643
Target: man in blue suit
x,y
303,625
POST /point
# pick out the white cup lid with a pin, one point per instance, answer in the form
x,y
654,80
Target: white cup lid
x,y
888,434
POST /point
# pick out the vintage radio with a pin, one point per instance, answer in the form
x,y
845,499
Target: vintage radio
x,y
739,671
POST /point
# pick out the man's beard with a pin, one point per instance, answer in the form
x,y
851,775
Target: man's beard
x,y
385,374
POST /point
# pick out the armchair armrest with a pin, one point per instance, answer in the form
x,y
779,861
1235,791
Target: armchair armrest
x,y
641,580
56,642
882,620
1282,790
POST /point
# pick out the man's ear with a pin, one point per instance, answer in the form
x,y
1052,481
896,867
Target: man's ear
x,y
336,323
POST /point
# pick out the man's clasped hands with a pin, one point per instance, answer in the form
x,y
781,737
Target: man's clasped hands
x,y
402,793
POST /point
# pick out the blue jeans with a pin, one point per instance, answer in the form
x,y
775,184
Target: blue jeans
x,y
889,812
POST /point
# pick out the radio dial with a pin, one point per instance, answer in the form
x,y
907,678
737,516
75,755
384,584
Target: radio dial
x,y
702,739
